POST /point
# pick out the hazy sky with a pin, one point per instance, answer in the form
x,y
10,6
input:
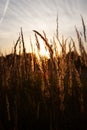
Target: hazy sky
x,y
39,15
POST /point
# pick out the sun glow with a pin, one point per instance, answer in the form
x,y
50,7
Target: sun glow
x,y
31,46
44,51
41,49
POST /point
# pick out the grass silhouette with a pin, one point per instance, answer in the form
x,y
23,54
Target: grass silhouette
x,y
45,93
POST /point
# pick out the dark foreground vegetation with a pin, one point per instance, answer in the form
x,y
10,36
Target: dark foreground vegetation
x,y
45,93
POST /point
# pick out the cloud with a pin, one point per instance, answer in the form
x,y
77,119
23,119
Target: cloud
x,y
4,11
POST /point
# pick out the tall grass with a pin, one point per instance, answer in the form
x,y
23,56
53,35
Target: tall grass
x,y
45,93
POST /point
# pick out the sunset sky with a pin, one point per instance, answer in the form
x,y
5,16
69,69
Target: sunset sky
x,y
38,15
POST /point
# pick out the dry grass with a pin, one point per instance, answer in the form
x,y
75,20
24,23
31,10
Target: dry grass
x,y
44,92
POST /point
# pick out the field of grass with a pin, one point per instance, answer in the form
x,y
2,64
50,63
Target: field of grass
x,y
43,93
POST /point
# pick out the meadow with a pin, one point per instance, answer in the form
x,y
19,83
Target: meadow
x,y
43,93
